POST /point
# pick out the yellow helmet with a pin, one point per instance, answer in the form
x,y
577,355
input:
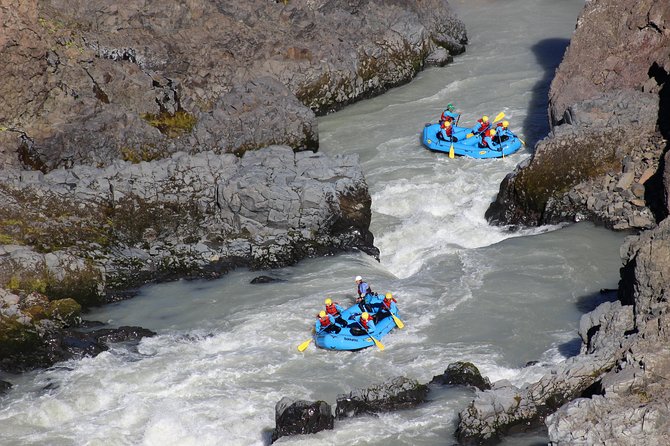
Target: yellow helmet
x,y
505,124
365,316
389,296
322,313
329,301
493,132
485,118
447,123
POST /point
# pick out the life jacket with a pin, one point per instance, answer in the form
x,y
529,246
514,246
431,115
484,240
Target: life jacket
x,y
387,303
324,321
488,133
449,130
364,323
331,309
483,126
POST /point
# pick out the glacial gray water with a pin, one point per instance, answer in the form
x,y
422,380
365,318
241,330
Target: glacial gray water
x,y
226,350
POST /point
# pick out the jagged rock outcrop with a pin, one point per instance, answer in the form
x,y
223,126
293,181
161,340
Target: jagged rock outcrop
x,y
202,214
616,45
462,374
399,393
37,332
609,107
91,82
602,167
301,417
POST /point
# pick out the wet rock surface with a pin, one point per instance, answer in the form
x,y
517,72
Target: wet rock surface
x,y
462,374
400,393
301,417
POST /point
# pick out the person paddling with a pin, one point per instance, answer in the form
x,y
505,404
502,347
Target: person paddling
x,y
386,307
503,133
366,322
487,142
335,310
448,115
483,125
446,132
362,291
325,322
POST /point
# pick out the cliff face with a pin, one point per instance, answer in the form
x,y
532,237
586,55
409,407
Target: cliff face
x,y
90,81
617,45
606,160
610,112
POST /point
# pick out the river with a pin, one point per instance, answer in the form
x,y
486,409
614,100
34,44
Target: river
x,y
226,351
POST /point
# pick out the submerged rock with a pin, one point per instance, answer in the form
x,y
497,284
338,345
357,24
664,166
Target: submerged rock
x,y
293,417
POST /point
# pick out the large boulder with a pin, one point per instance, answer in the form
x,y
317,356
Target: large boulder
x,y
293,417
399,393
462,373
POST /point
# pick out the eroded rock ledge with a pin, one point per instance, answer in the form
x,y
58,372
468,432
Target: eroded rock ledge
x,y
187,215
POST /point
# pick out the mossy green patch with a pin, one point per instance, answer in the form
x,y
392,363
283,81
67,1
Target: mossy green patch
x,y
66,311
16,338
172,125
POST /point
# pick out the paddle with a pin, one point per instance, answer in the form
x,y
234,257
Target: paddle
x,y
302,347
451,151
379,345
397,321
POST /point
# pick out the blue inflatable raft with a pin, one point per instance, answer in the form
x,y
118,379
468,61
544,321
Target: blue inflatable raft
x,y
352,337
467,146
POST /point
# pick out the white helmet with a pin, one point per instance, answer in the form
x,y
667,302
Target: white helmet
x,y
358,278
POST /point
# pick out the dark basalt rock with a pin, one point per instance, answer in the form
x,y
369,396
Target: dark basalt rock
x,y
60,345
400,393
265,279
462,374
301,417
4,387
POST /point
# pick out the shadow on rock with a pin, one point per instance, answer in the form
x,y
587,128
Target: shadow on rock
x,y
549,53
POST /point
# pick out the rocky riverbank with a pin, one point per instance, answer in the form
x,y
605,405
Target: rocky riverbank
x,y
605,160
146,141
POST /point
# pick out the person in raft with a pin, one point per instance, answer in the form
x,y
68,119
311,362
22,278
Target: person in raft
x,y
365,325
487,141
482,126
446,132
335,310
325,322
448,115
503,133
386,307
363,294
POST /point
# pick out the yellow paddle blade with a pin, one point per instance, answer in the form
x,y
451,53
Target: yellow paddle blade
x,y
521,141
469,135
451,150
304,345
499,116
398,322
379,345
